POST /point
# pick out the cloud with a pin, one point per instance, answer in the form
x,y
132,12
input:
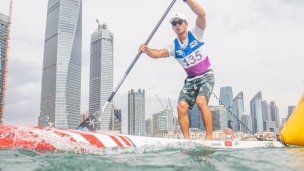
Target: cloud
x,y
23,92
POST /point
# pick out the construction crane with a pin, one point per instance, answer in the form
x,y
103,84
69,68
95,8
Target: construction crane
x,y
99,26
161,102
170,104
3,91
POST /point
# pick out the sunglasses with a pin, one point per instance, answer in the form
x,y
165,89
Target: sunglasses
x,y
179,22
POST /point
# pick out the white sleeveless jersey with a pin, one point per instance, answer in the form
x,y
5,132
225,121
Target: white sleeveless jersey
x,y
193,58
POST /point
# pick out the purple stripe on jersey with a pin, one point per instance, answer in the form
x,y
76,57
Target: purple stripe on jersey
x,y
198,68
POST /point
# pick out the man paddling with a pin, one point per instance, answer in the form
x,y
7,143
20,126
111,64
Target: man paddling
x,y
189,50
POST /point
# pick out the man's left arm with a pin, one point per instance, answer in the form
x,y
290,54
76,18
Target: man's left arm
x,y
200,12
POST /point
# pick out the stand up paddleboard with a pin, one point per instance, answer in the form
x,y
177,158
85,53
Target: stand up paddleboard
x,y
37,138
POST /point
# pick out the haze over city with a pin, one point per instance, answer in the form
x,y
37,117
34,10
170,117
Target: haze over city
x,y
253,46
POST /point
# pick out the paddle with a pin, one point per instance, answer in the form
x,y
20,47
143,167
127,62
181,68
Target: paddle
x,y
92,122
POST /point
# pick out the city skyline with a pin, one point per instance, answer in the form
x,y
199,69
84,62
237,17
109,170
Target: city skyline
x,y
242,44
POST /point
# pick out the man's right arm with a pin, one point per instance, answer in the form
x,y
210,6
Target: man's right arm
x,y
154,53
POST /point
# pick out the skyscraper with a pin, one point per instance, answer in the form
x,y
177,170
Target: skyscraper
x,y
226,98
219,117
61,75
155,124
176,123
247,123
101,74
256,113
274,112
290,110
3,51
149,127
195,118
266,111
116,119
163,120
238,110
136,112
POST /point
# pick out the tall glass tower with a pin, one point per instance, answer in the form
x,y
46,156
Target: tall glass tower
x,y
290,110
195,118
256,113
3,44
136,112
274,112
247,123
101,74
61,75
238,111
266,111
226,98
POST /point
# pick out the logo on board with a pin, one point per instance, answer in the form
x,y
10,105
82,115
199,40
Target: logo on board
x,y
228,143
216,144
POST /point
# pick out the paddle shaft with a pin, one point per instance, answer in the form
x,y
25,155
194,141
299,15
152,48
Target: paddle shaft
x,y
89,123
100,111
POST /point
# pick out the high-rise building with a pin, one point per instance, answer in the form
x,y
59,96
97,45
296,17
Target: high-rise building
x,y
290,110
155,124
163,120
274,112
149,127
136,112
195,118
247,123
256,113
266,111
61,74
3,44
219,117
101,75
270,126
238,110
176,123
226,96
226,99
116,119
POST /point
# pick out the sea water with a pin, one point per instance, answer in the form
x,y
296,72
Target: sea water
x,y
178,157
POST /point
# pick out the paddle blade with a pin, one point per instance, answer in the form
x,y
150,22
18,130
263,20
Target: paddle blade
x,y
90,124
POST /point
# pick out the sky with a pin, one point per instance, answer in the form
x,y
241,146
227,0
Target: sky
x,y
253,45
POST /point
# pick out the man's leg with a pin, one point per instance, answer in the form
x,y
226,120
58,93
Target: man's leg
x,y
183,119
201,103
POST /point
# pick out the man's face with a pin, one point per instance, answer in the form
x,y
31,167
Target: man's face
x,y
179,25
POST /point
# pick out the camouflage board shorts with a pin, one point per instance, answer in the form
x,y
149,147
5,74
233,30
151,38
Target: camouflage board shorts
x,y
201,85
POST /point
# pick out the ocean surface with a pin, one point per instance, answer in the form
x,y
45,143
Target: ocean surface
x,y
179,157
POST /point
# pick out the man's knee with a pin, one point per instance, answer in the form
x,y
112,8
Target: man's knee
x,y
182,108
201,101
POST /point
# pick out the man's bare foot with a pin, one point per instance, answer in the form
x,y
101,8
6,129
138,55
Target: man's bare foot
x,y
208,138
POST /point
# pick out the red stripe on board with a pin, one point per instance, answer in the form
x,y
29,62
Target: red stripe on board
x,y
91,138
116,140
58,133
125,140
65,135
